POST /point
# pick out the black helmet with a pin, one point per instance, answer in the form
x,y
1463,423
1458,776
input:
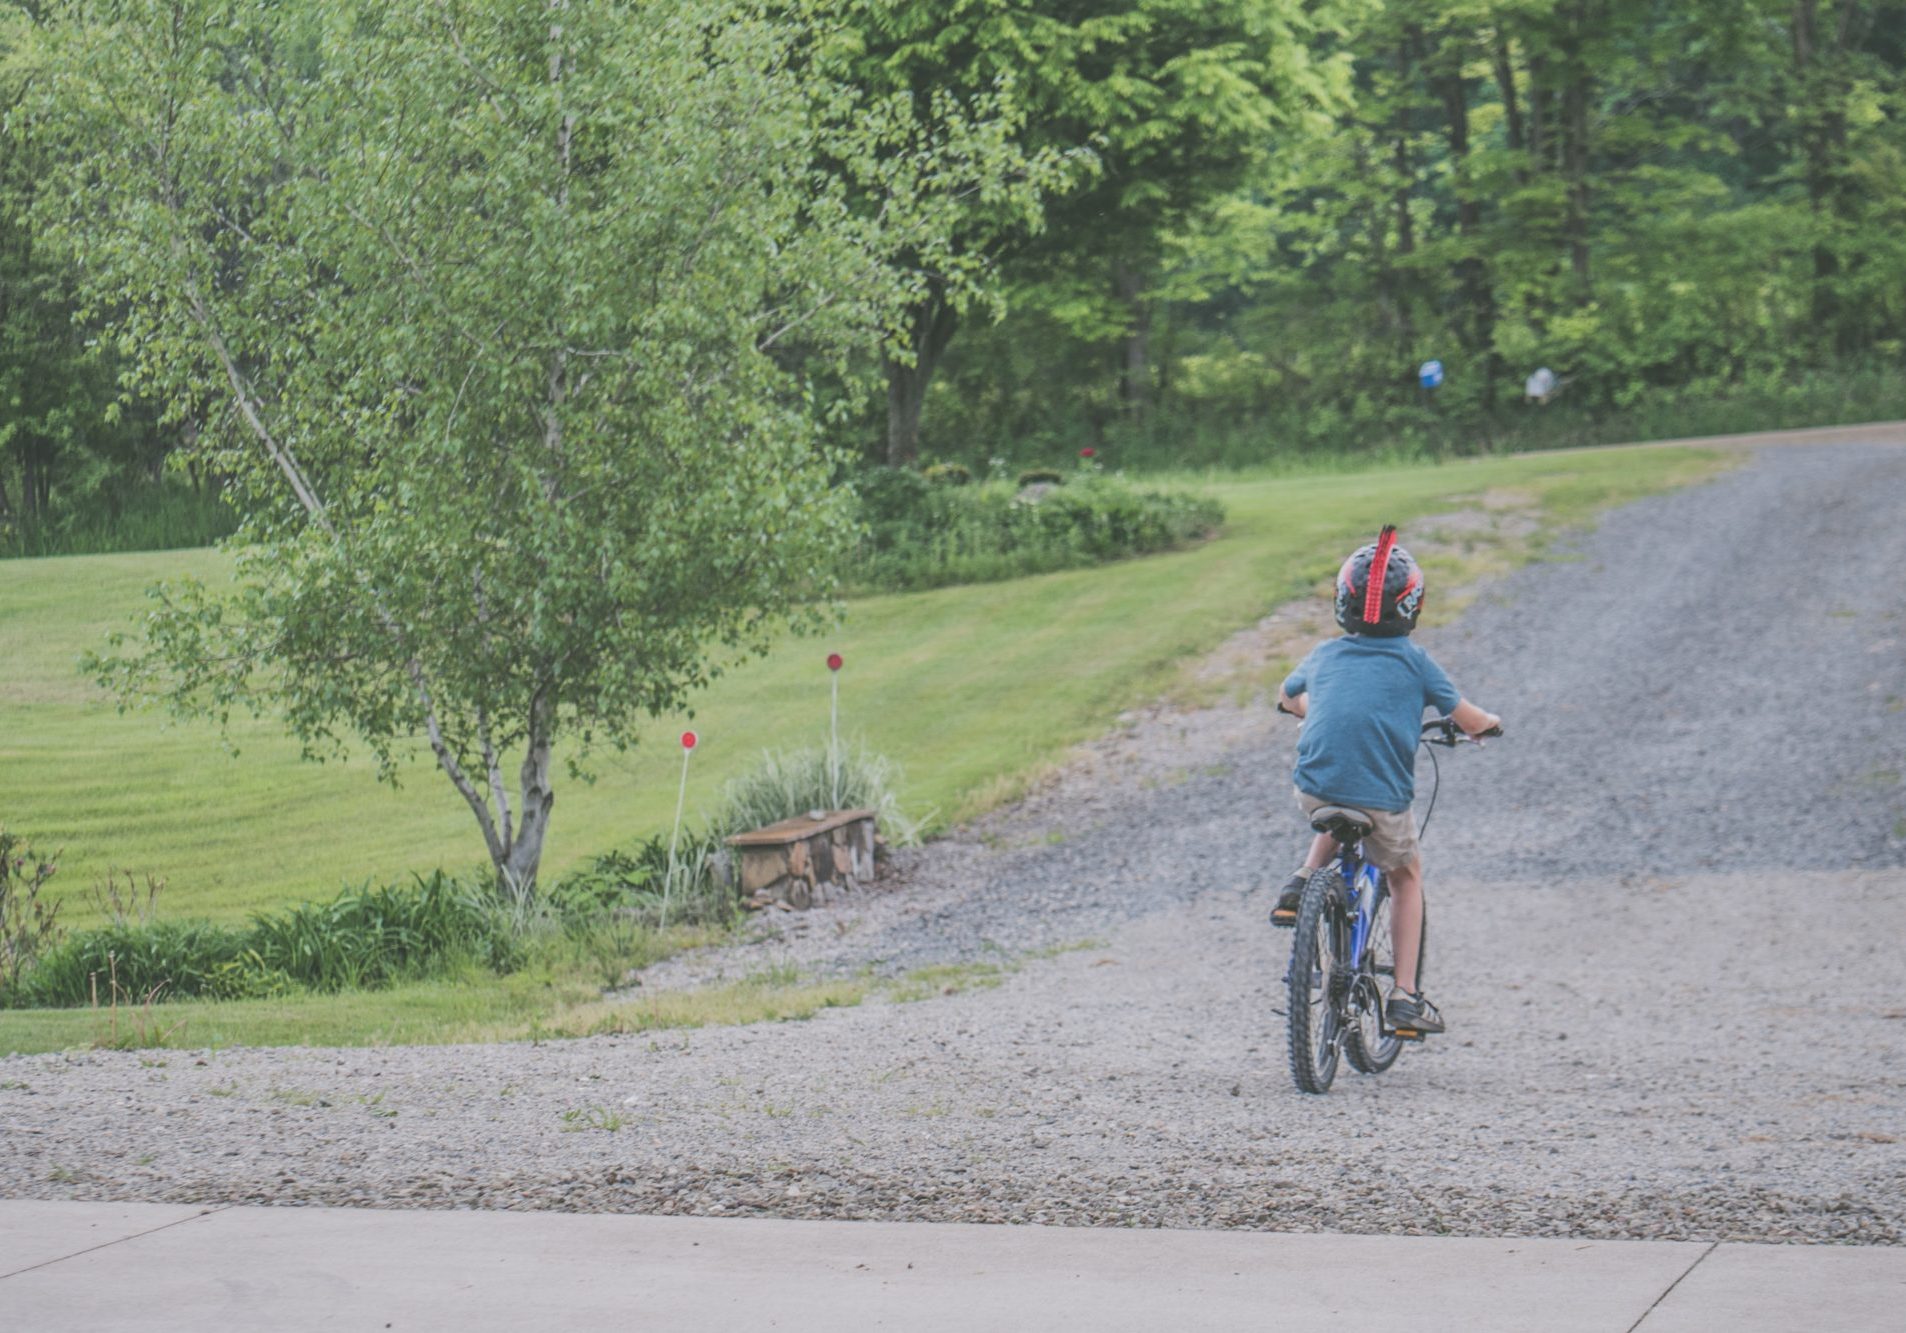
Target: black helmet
x,y
1380,589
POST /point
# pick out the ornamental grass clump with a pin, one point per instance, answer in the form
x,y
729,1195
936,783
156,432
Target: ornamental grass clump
x,y
792,782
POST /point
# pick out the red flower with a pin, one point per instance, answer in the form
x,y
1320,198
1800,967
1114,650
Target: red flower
x,y
833,661
688,740
1088,452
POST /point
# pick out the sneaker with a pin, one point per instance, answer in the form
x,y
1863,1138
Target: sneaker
x,y
1412,1017
1284,915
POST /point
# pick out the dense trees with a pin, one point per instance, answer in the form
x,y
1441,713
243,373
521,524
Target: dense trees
x,y
1649,199
484,308
1140,111
1258,215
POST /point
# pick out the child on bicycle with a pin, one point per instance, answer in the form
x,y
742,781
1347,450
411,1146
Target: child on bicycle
x,y
1362,698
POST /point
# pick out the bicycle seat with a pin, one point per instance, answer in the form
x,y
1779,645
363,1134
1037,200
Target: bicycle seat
x,y
1342,822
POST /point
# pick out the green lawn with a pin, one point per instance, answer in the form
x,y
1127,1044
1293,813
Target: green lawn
x,y
968,688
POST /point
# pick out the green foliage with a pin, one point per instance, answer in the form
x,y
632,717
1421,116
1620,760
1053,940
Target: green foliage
x,y
516,429
786,783
634,885
74,458
364,939
29,924
1666,205
924,536
374,937
155,517
1134,114
947,474
157,960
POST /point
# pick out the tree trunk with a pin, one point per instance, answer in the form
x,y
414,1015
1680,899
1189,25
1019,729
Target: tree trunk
x,y
1405,171
1472,274
36,479
1135,384
1390,312
524,857
1541,115
1575,146
930,327
1822,120
1511,105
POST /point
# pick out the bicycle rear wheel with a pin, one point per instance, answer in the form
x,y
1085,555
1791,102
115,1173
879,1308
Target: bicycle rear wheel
x,y
1315,1029
1372,1050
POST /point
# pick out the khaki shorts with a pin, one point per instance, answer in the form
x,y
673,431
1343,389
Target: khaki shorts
x,y
1392,840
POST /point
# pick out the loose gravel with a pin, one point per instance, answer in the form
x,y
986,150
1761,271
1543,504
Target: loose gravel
x,y
1666,915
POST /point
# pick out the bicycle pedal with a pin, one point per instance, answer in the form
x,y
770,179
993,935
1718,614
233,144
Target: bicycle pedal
x,y
1406,1034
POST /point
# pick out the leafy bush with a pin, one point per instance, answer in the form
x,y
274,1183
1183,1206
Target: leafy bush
x,y
892,495
634,886
947,474
1041,476
364,938
375,936
919,535
161,959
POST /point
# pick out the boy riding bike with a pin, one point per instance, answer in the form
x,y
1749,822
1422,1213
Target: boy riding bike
x,y
1362,699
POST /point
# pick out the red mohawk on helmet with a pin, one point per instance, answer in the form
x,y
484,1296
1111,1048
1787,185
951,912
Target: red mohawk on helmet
x,y
1379,567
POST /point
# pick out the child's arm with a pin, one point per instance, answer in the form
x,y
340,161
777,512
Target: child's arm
x,y
1472,719
1294,706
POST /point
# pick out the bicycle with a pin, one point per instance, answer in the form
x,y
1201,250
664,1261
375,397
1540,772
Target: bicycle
x,y
1341,956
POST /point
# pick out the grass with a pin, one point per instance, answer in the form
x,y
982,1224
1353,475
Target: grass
x,y
968,688
552,1000
971,689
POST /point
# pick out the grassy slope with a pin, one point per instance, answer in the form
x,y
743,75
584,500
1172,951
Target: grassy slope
x,y
968,687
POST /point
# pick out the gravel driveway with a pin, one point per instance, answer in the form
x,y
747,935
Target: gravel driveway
x,y
1667,914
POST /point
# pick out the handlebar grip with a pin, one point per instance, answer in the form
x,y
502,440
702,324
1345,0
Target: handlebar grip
x,y
1285,711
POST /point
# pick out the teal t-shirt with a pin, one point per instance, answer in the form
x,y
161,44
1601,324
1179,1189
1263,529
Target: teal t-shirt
x,y
1367,696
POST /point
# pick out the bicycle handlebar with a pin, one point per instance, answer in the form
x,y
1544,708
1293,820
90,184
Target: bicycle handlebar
x,y
1445,727
1448,733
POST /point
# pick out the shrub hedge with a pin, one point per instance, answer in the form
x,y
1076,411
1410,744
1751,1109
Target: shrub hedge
x,y
365,938
925,535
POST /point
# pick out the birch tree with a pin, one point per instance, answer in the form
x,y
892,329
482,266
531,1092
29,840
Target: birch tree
x,y
488,307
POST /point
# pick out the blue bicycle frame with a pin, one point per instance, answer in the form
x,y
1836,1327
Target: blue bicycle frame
x,y
1363,885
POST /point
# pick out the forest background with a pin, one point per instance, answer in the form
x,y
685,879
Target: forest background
x,y
1694,214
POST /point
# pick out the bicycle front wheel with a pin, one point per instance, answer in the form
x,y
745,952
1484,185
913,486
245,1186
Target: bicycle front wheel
x,y
1314,980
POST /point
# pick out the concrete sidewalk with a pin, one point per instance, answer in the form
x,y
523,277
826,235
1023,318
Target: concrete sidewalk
x,y
103,1266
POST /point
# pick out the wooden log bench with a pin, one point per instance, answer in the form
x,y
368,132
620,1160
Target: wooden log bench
x,y
804,861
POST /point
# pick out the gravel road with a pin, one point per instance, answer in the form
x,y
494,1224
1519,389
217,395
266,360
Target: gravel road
x,y
1667,916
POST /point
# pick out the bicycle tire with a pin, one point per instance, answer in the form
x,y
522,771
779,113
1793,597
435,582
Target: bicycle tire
x,y
1315,950
1366,1045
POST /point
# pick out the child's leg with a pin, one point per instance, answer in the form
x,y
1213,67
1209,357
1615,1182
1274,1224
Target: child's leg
x,y
1322,848
1406,919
